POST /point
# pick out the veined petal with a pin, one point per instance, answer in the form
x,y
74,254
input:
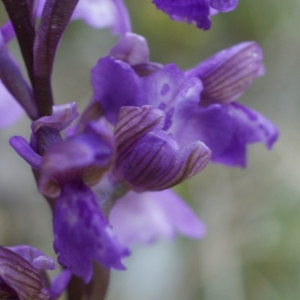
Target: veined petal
x,y
81,233
110,95
228,74
21,277
62,116
145,217
148,158
135,122
34,256
70,158
132,49
187,10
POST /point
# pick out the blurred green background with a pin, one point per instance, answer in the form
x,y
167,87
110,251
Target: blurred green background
x,y
252,249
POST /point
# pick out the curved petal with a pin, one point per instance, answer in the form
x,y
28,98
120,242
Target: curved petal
x,y
22,147
145,217
34,256
110,95
148,158
81,233
132,49
21,277
227,74
62,116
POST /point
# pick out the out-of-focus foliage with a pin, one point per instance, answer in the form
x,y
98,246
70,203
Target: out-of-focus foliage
x,y
252,250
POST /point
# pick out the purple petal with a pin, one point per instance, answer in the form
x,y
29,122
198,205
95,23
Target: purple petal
x,y
135,122
21,276
187,10
148,158
10,109
110,95
70,158
132,49
250,127
145,217
7,31
227,74
225,129
223,5
60,283
62,116
81,233
35,257
164,88
22,147
169,86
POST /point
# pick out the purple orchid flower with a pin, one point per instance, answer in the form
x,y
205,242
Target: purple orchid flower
x,y
100,14
207,113
66,169
20,269
149,157
198,11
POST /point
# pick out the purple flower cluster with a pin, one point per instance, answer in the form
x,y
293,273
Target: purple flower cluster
x,y
147,128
